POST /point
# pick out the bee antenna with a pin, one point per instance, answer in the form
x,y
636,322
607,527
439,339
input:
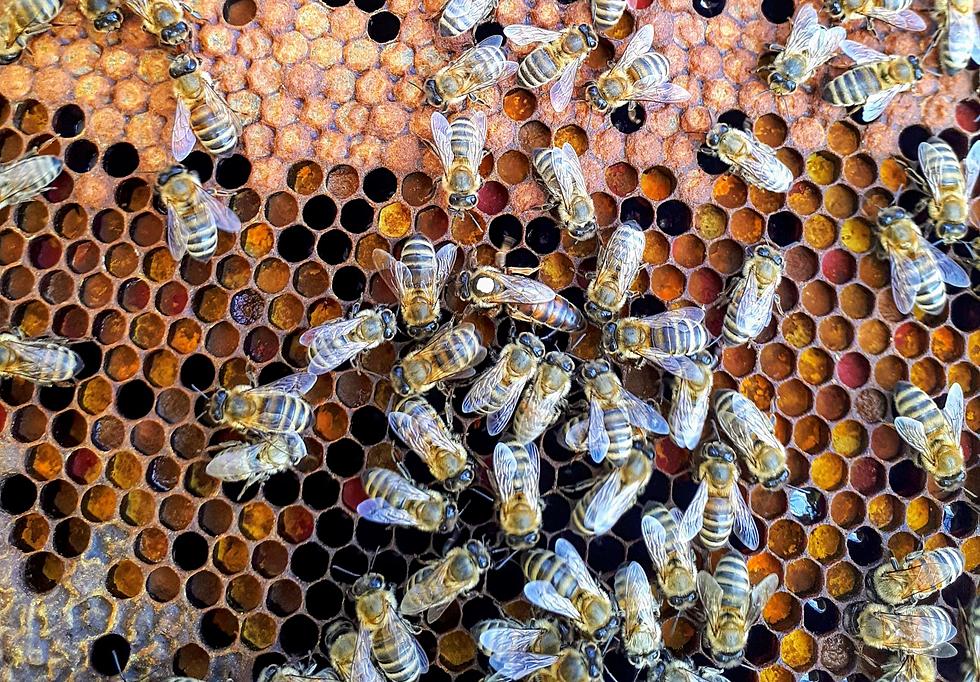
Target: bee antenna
x,y
504,562
606,671
344,570
482,494
373,557
119,666
412,83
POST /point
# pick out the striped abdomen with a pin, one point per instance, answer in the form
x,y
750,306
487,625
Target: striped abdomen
x,y
853,87
558,313
459,18
620,434
606,13
684,337
650,64
956,42
950,171
732,575
419,256
465,136
24,179
731,333
718,521
214,128
542,564
537,68
201,231
49,363
544,164
912,402
284,412
398,663
27,14
931,296
384,484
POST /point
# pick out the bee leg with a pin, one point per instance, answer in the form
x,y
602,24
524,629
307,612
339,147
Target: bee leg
x,y
631,110
779,304
870,26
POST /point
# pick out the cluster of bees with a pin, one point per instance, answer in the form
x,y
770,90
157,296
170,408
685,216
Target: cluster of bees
x,y
527,389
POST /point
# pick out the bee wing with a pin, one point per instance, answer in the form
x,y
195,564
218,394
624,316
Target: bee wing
x,y
609,503
951,271
906,281
644,416
637,594
561,91
764,168
861,54
962,30
923,576
805,26
597,438
544,595
507,473
565,163
931,163
395,273
445,259
971,165
910,622
693,519
761,594
824,45
218,103
362,668
235,463
575,433
906,19
430,591
517,290
222,216
378,510
953,411
567,551
653,89
508,639
299,383
655,538
521,34
711,595
481,392
912,432
473,10
182,138
328,353
755,303
399,632
639,45
878,102
690,408
176,235
623,254
745,528
474,146
417,431
753,421
442,137
517,665
497,421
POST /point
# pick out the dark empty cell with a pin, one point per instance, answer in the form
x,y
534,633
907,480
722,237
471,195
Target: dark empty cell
x,y
274,371
200,163
59,499
219,628
965,313
56,398
507,581
238,492
487,29
910,199
818,676
552,445
45,251
369,5
606,553
81,156
335,3
369,425
349,283
383,27
109,655
334,247
190,551
820,615
505,230
864,546
320,212
785,228
134,400
909,140
640,210
310,562
808,505
17,494
120,160
960,593
371,536
71,537
320,490
69,428
949,668
298,636
761,648
521,258
734,117
238,12
906,479
711,164
345,457
410,541
296,243
379,184
349,563
68,121
644,306
356,216
777,11
91,355
197,372
682,492
957,141
281,489
392,565
324,600
557,513
232,171
627,119
959,520
543,235
335,527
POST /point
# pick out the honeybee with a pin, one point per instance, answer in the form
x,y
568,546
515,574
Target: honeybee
x,y
337,341
666,340
516,474
459,16
810,45
106,15
21,20
525,299
667,534
256,462
689,401
459,147
164,19
502,640
452,353
916,576
681,670
497,391
41,361
750,159
894,12
563,180
640,75
911,629
947,186
349,651
909,668
202,112
417,279
561,583
933,434
25,178
753,296
536,652
194,216
607,429
477,69
721,499
920,271
292,673
558,57
752,436
396,651
642,638
731,607
874,80
958,36
614,493
434,587
970,627
542,402
618,264
275,408
419,426
393,499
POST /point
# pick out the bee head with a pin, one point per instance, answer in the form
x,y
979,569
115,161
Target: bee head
x,y
591,39
465,292
560,360
706,359
584,230
398,381
595,98
216,409
777,480
891,214
169,174
480,554
593,369
609,343
532,343
423,330
432,96
723,658
449,518
110,21
182,64
953,480
781,84
596,313
763,251
714,136
851,614
950,231
390,325
835,9
717,450
369,582
175,34
10,57
462,201
593,659
682,601
916,67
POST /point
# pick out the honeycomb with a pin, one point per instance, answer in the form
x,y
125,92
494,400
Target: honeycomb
x,y
123,549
